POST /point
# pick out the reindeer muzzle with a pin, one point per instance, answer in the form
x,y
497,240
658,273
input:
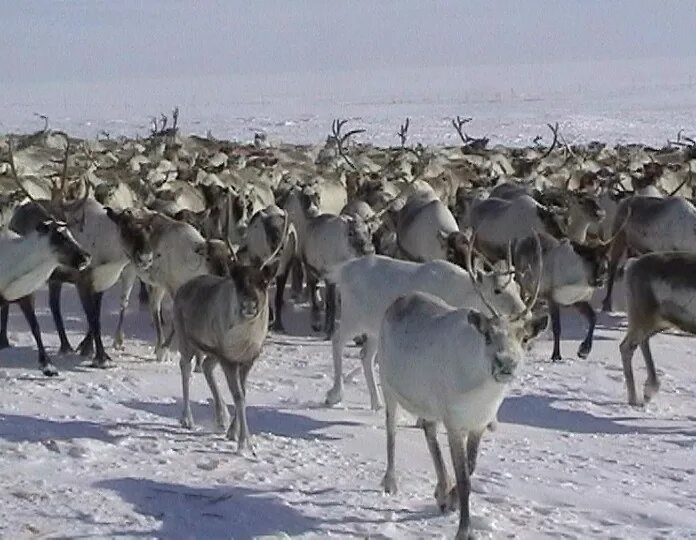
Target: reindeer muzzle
x,y
504,367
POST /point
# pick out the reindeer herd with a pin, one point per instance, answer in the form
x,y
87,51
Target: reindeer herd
x,y
443,263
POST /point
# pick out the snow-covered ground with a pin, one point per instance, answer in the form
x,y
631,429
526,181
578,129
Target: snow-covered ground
x,y
100,454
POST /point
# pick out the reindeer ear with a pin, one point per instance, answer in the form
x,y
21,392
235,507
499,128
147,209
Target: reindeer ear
x,y
269,271
478,321
112,214
535,326
43,227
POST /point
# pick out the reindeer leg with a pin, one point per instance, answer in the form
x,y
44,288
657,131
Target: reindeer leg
x,y
472,448
338,341
586,311
233,374
222,415
389,480
54,290
4,316
185,366
281,280
627,348
127,282
330,313
445,492
369,353
312,285
155,297
555,312
26,304
143,294
101,357
297,279
461,468
618,247
652,384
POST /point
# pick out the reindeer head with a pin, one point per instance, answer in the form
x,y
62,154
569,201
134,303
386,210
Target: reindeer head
x,y
594,260
506,335
135,236
506,340
64,246
359,236
252,281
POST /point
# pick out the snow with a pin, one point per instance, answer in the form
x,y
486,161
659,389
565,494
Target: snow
x,y
646,101
100,453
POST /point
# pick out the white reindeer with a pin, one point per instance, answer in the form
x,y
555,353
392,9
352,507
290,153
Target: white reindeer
x,y
450,365
180,253
26,262
422,227
368,286
113,239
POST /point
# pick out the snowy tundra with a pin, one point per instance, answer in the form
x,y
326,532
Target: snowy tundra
x,y
100,453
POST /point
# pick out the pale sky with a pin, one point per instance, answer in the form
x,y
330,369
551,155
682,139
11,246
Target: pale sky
x,y
96,40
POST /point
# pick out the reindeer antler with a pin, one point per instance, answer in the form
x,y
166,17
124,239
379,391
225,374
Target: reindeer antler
x,y
341,139
554,130
45,119
403,131
459,124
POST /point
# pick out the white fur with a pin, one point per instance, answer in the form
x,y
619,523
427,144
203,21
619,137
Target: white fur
x,y
419,225
25,263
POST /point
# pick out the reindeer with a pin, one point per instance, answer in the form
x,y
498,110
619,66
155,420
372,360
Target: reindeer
x,y
649,224
423,226
498,221
331,240
113,239
265,231
368,285
450,365
224,319
572,272
180,253
26,264
660,289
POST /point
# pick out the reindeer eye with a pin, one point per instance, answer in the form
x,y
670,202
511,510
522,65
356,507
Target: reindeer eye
x,y
497,291
488,339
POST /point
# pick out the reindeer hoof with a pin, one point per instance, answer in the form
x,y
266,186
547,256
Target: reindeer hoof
x,y
333,397
4,343
49,370
65,348
606,307
389,484
556,357
649,391
85,348
633,401
447,498
584,350
186,421
278,327
222,422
